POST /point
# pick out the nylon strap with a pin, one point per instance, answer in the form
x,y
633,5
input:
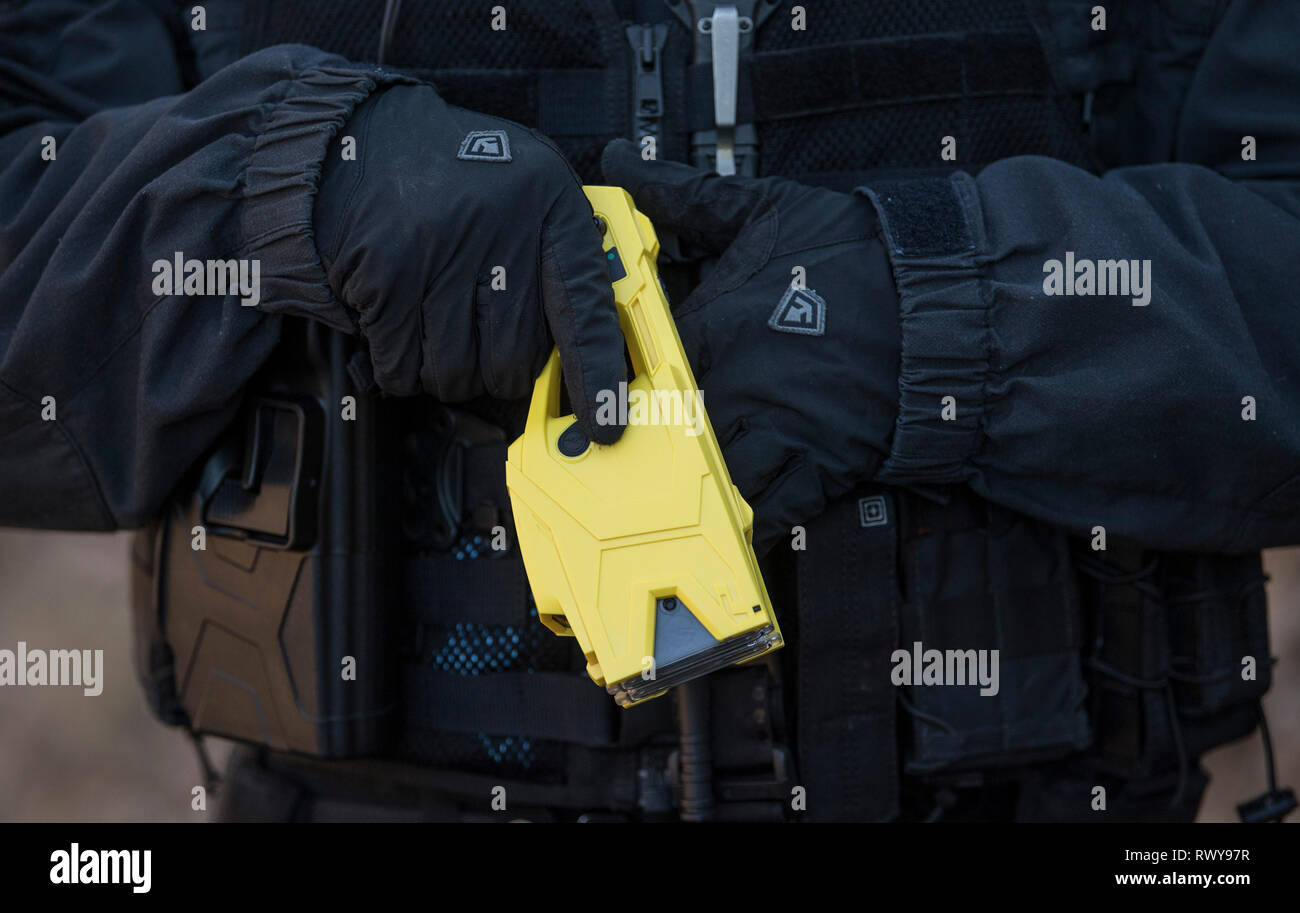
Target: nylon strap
x,y
848,629
799,82
596,779
543,705
444,591
561,102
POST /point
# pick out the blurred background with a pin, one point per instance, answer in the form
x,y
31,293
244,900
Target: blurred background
x,y
68,757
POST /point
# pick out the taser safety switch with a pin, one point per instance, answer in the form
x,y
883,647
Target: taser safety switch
x,y
640,549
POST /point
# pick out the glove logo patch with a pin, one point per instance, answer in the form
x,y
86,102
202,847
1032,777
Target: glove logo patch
x,y
485,146
801,310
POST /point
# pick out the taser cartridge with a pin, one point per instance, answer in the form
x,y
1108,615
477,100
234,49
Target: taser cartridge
x,y
640,549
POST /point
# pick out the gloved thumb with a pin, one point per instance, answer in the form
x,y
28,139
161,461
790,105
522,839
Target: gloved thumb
x,y
703,209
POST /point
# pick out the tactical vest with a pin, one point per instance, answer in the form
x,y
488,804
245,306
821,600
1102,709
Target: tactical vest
x,y
370,540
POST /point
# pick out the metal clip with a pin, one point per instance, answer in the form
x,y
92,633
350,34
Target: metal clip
x,y
724,29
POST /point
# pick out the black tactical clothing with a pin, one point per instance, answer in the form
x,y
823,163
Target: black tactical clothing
x,y
1083,411
1146,388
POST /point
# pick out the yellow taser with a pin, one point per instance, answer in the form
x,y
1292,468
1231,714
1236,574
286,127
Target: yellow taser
x,y
640,549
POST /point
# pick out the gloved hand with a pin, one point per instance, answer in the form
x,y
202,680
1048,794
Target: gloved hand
x,y
801,385
438,204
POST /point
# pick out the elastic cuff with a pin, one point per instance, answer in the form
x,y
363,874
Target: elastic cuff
x,y
281,180
933,229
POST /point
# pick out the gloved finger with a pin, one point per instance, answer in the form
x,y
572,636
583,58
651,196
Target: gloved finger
x,y
510,324
755,454
775,476
578,300
693,332
398,352
701,208
450,369
794,497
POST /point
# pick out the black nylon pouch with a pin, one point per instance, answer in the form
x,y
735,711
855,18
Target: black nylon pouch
x,y
977,577
1218,618
1128,662
1169,634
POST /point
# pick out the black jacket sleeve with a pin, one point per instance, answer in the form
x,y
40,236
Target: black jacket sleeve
x,y
1088,410
109,392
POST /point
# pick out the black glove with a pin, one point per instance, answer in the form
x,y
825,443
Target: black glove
x,y
801,385
411,234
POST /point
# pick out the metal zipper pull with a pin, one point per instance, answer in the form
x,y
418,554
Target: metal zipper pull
x,y
647,43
